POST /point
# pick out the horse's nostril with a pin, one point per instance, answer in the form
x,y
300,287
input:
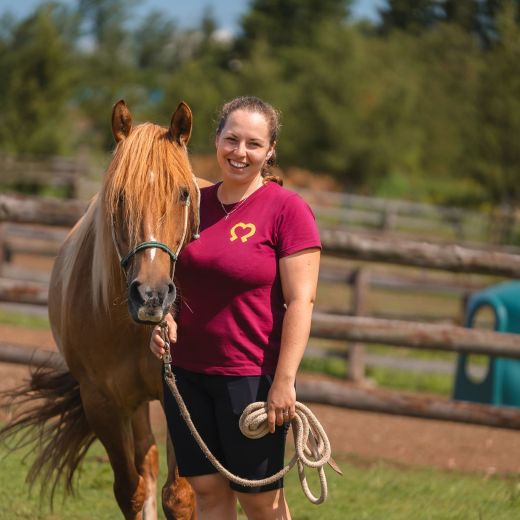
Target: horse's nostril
x,y
171,288
134,293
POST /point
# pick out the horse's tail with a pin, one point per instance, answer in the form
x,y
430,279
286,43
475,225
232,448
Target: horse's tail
x,y
48,412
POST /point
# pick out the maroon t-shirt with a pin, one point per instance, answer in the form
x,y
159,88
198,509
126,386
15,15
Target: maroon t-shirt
x,y
230,293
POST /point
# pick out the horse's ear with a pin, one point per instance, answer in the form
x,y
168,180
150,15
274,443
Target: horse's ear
x,y
180,126
121,121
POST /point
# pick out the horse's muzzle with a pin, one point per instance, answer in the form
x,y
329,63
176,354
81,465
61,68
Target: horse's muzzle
x,y
149,304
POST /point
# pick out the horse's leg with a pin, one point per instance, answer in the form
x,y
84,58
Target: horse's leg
x,y
146,459
114,430
178,498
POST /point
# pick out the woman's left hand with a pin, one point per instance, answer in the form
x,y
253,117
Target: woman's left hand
x,y
281,398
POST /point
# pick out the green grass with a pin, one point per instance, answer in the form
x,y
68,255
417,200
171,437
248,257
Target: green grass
x,y
371,489
408,380
375,490
24,320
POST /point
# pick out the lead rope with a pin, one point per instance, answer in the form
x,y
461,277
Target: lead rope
x,y
253,424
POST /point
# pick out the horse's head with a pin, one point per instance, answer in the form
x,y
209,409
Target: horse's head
x,y
150,198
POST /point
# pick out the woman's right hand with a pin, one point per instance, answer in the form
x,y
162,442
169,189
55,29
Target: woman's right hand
x,y
156,341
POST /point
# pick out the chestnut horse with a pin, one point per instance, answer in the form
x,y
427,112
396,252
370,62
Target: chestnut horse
x,y
102,315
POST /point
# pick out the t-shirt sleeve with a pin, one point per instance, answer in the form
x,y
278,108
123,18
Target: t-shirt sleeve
x,y
297,228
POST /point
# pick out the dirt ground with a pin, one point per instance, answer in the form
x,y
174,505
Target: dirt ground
x,y
403,439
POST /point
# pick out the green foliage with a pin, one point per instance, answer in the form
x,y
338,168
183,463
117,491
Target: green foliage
x,y
496,165
291,22
424,106
36,86
409,15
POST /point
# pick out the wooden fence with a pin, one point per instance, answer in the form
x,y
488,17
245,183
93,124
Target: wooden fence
x,y
499,226
357,328
453,339
35,172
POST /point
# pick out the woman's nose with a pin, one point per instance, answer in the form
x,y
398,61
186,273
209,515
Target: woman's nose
x,y
240,150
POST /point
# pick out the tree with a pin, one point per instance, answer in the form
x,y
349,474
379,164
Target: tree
x,y
290,22
154,43
37,80
497,162
410,15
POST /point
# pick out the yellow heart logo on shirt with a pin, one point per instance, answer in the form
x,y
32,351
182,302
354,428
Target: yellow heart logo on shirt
x,y
244,238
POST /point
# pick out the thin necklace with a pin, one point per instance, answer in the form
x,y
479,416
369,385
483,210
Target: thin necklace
x,y
242,202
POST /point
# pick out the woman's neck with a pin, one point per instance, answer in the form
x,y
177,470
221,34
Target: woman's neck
x,y
231,193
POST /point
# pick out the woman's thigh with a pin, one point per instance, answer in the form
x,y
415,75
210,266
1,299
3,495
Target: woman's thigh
x,y
191,461
252,459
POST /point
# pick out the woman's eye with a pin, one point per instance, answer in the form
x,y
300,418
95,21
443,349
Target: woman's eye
x,y
231,139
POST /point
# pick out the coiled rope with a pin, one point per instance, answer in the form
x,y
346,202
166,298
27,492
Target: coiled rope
x,y
253,424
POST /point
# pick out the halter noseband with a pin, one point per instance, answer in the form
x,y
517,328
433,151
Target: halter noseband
x,y
148,245
160,245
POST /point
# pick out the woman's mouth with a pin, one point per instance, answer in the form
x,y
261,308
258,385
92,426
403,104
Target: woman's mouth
x,y
237,165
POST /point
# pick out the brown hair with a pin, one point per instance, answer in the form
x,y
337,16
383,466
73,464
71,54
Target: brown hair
x,y
271,116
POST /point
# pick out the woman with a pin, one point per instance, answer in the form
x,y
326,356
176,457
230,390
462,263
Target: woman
x,y
247,288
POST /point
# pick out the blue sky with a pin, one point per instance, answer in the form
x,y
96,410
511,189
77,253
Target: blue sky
x,y
189,13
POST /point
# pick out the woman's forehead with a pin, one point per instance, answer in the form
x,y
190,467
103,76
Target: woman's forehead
x,y
250,125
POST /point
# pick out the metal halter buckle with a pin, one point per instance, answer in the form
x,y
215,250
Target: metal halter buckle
x,y
167,358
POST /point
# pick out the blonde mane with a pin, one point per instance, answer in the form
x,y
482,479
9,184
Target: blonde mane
x,y
149,148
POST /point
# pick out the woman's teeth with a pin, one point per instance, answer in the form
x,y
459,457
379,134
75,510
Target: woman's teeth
x,y
237,164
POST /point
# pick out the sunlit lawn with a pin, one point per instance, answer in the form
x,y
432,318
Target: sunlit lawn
x,y
371,489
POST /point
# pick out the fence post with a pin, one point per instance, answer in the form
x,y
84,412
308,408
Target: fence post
x,y
3,255
80,172
388,218
463,304
356,352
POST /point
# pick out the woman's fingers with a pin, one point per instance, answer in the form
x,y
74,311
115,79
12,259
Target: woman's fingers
x,y
292,413
172,328
276,416
271,420
157,343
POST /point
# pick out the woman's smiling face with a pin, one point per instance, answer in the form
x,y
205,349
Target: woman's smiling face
x,y
243,146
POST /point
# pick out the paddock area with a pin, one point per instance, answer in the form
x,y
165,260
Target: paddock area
x,y
422,442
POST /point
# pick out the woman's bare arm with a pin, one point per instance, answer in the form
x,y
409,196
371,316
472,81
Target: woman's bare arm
x,y
299,276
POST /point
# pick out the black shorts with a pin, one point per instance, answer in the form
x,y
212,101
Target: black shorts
x,y
215,403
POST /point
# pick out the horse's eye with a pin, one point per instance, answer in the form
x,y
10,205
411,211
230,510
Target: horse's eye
x,y
120,197
184,194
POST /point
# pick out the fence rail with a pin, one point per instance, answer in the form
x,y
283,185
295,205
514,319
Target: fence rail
x,y
34,210
497,226
65,172
430,336
373,400
399,403
419,254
